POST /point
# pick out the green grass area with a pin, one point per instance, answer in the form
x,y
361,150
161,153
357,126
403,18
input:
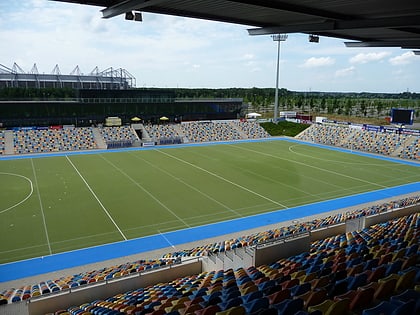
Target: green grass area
x,y
54,204
284,128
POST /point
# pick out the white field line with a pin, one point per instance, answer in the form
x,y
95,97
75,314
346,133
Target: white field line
x,y
166,239
387,166
291,187
23,200
96,197
41,207
190,186
318,196
146,191
314,167
222,178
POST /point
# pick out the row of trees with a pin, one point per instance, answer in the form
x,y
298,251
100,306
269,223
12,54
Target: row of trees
x,y
339,103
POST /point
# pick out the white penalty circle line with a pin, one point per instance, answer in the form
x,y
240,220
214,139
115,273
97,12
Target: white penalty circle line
x,y
23,200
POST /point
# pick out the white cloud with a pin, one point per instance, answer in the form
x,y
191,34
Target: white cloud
x,y
166,51
345,72
368,57
314,62
403,59
248,57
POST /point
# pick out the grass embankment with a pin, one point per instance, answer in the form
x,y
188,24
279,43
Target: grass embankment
x,y
284,128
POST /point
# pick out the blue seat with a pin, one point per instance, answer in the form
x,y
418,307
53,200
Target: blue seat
x,y
266,285
300,289
338,288
252,296
357,281
384,308
256,305
243,280
412,250
393,267
406,296
404,308
212,295
372,263
231,294
289,306
230,303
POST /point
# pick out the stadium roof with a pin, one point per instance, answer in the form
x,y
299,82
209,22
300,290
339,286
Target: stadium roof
x,y
107,79
367,23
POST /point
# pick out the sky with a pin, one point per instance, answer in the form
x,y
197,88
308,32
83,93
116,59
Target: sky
x,y
166,52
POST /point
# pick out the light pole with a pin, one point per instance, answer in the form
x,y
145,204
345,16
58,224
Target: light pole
x,y
277,38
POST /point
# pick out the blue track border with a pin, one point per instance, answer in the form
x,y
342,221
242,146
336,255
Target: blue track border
x,y
55,262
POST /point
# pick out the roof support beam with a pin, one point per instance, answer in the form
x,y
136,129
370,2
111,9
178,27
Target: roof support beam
x,y
294,8
331,25
415,44
129,5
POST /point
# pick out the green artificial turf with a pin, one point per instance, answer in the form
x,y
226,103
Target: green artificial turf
x,y
55,204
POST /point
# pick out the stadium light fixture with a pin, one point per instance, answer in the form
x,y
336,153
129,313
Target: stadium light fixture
x,y
133,16
313,38
129,15
277,38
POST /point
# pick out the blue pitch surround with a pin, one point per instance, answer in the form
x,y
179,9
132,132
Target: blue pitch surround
x,y
41,265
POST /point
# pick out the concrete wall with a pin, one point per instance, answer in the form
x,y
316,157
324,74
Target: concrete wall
x,y
284,248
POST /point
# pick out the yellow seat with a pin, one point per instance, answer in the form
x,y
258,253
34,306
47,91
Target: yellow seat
x,y
237,310
330,307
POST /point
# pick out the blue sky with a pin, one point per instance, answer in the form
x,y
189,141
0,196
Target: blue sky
x,y
165,51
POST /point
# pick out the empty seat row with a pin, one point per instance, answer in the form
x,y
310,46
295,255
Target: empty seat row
x,y
317,265
291,285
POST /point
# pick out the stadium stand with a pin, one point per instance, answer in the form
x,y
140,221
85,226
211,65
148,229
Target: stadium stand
x,y
78,280
372,141
411,150
48,287
53,140
2,142
44,140
338,275
164,133
392,144
325,134
251,129
210,131
299,227
123,136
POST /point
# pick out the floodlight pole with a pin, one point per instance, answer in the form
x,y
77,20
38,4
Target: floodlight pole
x,y
277,38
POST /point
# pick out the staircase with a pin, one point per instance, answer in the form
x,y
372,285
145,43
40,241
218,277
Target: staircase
x,y
8,142
145,135
99,140
239,130
181,133
410,140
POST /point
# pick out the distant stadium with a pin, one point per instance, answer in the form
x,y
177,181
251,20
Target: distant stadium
x,y
108,79
173,200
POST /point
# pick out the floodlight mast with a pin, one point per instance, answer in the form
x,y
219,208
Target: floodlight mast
x,y
277,38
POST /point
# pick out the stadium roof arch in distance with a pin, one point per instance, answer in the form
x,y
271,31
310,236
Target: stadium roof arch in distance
x,y
366,23
107,79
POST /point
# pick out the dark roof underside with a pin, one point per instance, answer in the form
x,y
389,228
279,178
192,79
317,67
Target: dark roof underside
x,y
367,23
